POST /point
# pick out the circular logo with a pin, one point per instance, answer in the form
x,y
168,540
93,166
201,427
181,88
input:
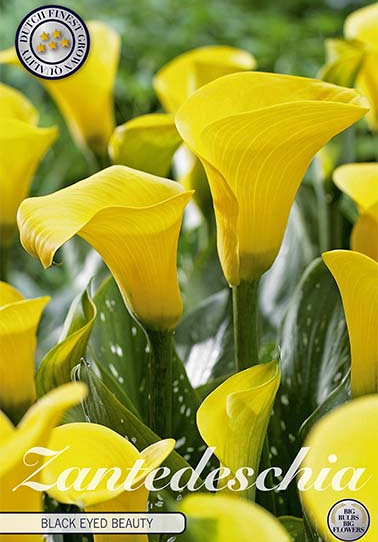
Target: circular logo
x,y
348,520
52,42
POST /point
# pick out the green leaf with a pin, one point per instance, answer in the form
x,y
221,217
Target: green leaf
x,y
102,406
297,251
295,527
118,346
315,357
340,395
204,339
56,366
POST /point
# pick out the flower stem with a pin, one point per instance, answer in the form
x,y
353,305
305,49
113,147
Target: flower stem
x,y
245,305
4,262
159,382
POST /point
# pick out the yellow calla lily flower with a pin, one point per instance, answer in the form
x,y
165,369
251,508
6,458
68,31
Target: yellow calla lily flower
x,y
364,236
86,97
19,319
350,434
234,417
230,518
357,278
33,430
256,133
15,105
178,79
147,143
95,446
360,182
22,146
354,61
132,219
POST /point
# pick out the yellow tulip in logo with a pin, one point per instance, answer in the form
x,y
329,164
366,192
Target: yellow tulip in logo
x,y
256,134
357,278
33,430
22,146
85,98
19,319
360,182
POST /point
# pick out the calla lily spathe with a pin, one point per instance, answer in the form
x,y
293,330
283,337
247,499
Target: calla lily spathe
x,y
350,434
147,143
360,182
95,446
256,134
19,319
132,219
33,430
229,518
357,278
86,97
354,61
178,79
234,417
22,146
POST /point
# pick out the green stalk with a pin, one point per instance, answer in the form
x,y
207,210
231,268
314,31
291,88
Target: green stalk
x,y
245,306
159,382
4,250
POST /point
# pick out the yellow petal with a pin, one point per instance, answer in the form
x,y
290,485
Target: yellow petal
x,y
86,97
132,219
15,105
344,60
235,416
178,79
19,319
146,143
360,182
22,146
230,518
364,236
362,25
357,278
33,430
256,133
350,433
96,446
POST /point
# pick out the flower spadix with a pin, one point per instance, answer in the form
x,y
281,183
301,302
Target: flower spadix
x,y
360,182
22,146
226,518
349,434
132,219
94,447
235,416
178,79
86,97
357,278
33,430
256,134
19,319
